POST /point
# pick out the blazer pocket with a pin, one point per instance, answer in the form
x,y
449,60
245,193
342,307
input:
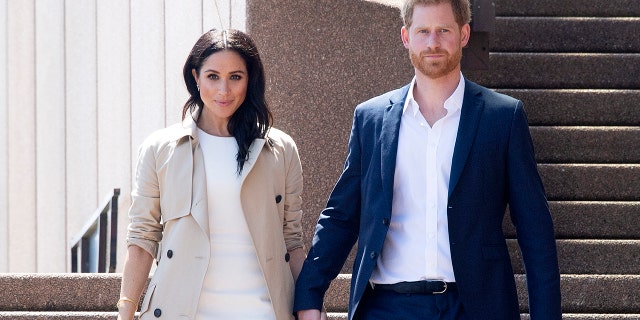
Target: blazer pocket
x,y
495,252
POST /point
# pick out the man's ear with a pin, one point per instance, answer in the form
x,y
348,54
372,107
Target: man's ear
x,y
465,33
404,34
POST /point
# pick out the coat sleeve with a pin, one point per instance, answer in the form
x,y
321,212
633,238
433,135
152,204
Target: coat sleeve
x,y
292,224
145,229
534,227
336,232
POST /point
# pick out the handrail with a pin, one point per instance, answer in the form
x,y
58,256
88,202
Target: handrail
x,y
102,225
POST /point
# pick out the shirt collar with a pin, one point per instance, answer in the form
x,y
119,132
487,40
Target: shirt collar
x,y
453,103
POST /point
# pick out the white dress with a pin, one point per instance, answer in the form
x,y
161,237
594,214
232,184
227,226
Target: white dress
x,y
234,286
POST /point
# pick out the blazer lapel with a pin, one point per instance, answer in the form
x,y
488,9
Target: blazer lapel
x,y
389,140
472,107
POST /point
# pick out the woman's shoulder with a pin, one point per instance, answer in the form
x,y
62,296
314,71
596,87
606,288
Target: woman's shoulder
x,y
166,136
279,137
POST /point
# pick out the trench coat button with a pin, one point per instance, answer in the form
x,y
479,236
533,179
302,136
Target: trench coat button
x,y
278,198
373,254
287,257
157,313
170,254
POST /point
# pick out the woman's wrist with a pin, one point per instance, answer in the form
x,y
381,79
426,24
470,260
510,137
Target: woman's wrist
x,y
127,307
125,300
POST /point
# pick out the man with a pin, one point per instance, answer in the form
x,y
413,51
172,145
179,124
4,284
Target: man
x,y
430,170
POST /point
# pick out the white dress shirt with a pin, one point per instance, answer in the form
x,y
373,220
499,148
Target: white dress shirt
x,y
417,243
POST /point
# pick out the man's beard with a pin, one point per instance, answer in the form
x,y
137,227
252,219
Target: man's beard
x,y
437,69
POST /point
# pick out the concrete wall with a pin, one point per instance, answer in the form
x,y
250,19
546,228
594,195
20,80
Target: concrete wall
x,y
323,58
82,82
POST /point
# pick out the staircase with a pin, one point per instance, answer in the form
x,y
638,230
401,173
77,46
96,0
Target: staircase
x,y
576,67
574,64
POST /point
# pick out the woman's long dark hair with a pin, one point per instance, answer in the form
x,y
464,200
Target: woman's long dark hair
x,y
253,119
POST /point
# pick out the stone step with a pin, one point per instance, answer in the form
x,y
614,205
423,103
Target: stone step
x,y
586,144
559,71
59,291
541,34
331,316
579,107
590,294
576,8
46,315
591,220
591,182
589,256
524,316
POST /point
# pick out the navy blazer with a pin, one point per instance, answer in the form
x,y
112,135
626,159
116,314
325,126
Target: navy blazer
x,y
493,166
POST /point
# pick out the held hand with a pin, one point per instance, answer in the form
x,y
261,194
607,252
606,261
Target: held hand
x,y
311,314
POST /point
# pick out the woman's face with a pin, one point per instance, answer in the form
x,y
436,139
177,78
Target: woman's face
x,y
223,83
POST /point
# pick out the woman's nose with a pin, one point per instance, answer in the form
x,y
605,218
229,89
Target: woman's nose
x,y
223,86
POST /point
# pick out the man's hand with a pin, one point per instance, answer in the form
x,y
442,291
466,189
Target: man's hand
x,y
312,314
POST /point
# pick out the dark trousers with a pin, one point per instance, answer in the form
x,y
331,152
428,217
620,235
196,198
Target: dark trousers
x,y
389,305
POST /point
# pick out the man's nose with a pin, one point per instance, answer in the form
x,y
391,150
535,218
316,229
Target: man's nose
x,y
433,39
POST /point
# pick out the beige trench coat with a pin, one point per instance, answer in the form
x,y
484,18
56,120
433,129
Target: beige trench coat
x,y
169,217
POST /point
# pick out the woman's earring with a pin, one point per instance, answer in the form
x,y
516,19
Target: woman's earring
x,y
197,86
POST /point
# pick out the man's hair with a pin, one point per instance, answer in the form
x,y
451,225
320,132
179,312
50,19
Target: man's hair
x,y
461,10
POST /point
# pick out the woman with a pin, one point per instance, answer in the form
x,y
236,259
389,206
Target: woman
x,y
216,199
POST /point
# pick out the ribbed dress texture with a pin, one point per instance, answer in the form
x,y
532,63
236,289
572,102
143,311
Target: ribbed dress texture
x,y
234,286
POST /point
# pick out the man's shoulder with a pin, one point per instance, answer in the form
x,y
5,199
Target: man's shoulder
x,y
490,95
384,100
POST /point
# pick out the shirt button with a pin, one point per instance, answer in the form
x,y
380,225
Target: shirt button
x,y
373,254
385,221
157,313
287,257
278,198
170,254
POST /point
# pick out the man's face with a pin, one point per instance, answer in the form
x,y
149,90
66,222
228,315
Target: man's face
x,y
435,40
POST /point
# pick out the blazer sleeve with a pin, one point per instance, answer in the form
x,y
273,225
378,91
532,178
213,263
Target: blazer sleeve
x,y
530,214
336,231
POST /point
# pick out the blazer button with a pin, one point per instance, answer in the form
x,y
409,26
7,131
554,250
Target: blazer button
x,y
157,313
287,257
373,254
170,254
278,198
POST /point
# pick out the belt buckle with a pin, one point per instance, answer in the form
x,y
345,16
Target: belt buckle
x,y
444,287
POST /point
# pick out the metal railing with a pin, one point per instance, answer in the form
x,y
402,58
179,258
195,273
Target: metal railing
x,y
99,235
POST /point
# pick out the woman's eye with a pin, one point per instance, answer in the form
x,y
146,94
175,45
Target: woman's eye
x,y
236,77
212,76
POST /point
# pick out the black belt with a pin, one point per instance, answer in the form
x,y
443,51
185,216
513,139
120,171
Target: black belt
x,y
419,287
